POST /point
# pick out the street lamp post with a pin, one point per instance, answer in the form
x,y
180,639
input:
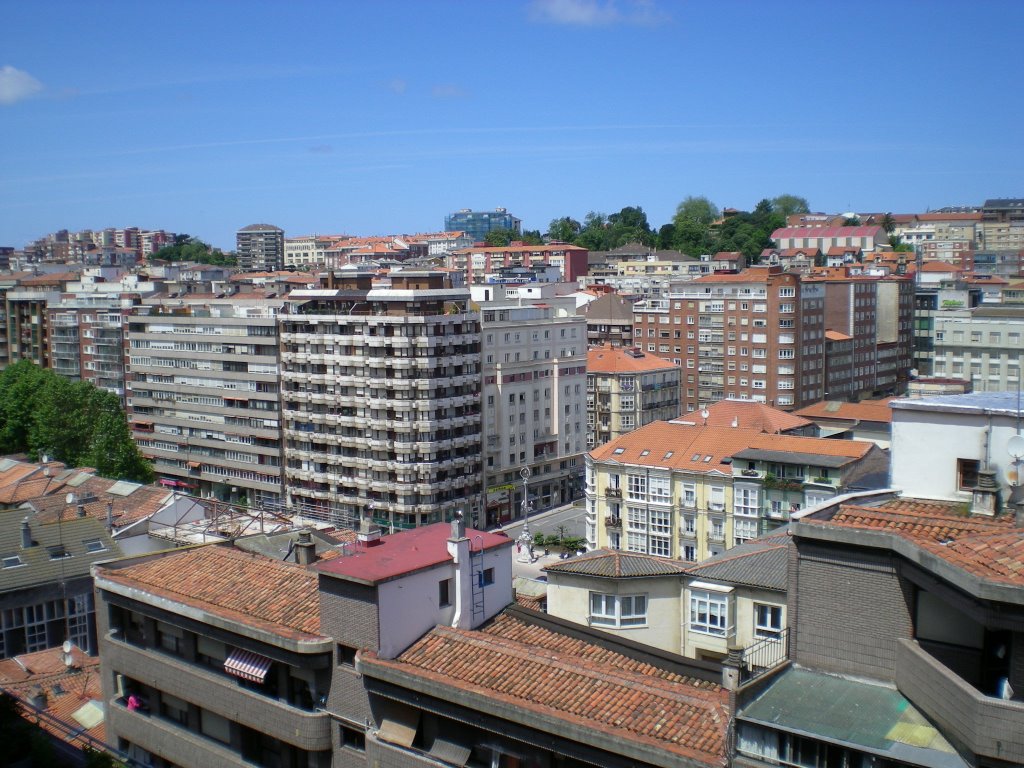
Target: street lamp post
x,y
525,542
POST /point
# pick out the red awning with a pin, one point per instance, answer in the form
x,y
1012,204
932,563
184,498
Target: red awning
x,y
247,665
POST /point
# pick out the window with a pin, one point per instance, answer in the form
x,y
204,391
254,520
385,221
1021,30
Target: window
x,y
95,545
618,610
346,656
351,738
689,524
444,593
58,552
661,492
709,612
689,552
767,620
169,638
638,487
12,561
967,473
744,529
745,501
487,577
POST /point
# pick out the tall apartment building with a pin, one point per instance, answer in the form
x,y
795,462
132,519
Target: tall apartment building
x,y
1002,225
203,400
28,334
477,224
757,335
931,299
627,389
982,345
87,340
534,373
381,390
308,251
260,248
876,314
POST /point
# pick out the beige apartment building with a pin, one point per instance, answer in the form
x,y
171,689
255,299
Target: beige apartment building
x,y
627,389
534,375
202,395
982,345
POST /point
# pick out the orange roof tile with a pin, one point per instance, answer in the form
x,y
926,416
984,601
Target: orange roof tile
x,y
534,668
746,414
865,410
701,449
836,336
990,548
609,359
67,689
276,596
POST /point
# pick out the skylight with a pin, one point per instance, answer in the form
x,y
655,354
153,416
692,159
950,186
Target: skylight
x,y
95,545
617,451
58,552
11,561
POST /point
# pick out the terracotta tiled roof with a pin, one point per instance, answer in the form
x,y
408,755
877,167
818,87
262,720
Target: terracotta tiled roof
x,y
939,266
137,504
613,563
534,668
273,595
747,414
701,449
990,548
609,359
759,275
865,410
67,689
818,232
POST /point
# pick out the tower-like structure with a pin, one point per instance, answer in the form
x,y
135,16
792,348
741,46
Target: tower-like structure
x,y
260,248
381,392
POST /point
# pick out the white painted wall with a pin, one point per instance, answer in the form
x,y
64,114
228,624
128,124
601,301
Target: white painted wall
x,y
927,444
408,606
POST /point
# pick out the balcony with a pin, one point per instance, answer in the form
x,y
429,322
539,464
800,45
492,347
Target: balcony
x,y
221,694
168,740
613,493
986,725
612,522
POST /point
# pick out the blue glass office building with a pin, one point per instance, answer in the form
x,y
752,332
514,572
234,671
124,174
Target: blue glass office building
x,y
477,224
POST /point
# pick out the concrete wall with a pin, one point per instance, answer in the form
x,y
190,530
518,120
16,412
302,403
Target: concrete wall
x,y
348,612
849,608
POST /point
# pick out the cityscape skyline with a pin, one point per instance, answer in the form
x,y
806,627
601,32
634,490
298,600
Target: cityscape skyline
x,y
379,119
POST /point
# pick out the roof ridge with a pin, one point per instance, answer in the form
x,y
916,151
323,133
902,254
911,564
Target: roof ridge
x,y
737,556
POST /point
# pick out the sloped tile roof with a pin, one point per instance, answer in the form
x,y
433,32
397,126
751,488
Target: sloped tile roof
x,y
759,563
37,564
139,503
609,359
613,563
702,448
278,597
591,688
67,689
747,414
865,410
989,548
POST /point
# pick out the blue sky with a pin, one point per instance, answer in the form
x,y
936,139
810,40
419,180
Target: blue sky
x,y
380,117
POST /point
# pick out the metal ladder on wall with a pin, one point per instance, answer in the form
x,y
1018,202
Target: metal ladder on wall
x,y
476,559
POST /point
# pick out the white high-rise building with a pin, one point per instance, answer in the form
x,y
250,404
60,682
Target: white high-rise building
x,y
381,395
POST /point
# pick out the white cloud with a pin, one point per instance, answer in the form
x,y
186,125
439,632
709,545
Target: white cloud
x,y
596,13
16,85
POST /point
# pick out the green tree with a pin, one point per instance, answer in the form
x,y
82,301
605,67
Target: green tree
x,y
888,224
851,221
531,237
786,205
594,235
697,209
666,237
113,454
629,225
20,388
191,249
500,237
565,229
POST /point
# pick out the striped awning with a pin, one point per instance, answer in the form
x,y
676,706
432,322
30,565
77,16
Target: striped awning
x,y
247,665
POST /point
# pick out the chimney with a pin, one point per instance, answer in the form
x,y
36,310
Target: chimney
x,y
369,533
1018,514
26,535
110,516
305,549
985,494
37,697
459,549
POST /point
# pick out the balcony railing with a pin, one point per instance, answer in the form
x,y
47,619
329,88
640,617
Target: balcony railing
x,y
613,522
763,656
613,493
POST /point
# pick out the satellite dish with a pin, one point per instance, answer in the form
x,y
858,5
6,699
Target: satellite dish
x,y
67,646
70,498
1015,446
